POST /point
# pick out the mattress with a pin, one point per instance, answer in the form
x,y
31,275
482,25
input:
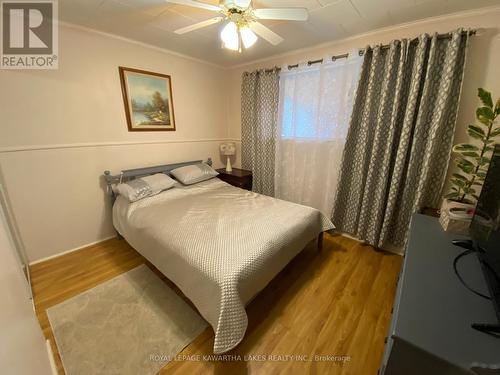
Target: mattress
x,y
219,244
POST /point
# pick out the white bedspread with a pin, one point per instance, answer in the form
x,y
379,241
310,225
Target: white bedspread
x,y
219,244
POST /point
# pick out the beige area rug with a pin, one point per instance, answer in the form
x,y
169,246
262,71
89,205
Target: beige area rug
x,y
131,324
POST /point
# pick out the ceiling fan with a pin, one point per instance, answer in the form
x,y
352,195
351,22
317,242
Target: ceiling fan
x,y
242,26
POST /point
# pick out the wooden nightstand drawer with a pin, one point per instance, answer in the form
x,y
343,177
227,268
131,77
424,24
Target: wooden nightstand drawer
x,y
238,177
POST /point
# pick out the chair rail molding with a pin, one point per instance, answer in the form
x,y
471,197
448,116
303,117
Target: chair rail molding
x,y
56,146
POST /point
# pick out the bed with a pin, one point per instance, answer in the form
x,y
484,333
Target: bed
x,y
219,244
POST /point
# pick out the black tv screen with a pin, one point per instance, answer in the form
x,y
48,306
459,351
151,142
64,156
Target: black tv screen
x,y
485,227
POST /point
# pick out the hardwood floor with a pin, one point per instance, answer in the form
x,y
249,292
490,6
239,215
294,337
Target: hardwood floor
x,y
336,302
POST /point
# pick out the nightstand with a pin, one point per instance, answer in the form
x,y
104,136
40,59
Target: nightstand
x,y
238,177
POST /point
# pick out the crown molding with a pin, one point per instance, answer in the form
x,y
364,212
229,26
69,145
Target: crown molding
x,y
141,44
401,26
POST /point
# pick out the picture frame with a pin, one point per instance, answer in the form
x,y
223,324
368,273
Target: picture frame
x,y
148,100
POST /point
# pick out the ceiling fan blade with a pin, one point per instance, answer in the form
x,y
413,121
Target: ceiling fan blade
x,y
292,14
265,33
198,25
196,4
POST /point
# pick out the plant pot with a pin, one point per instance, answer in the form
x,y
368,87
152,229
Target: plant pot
x,y
455,217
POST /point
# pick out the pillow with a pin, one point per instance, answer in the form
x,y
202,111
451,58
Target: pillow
x,y
143,187
159,182
191,174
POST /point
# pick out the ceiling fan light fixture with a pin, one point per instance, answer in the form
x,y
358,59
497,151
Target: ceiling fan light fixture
x,y
230,37
242,29
248,37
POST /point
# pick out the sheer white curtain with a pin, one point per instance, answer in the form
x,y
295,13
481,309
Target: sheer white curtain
x,y
315,106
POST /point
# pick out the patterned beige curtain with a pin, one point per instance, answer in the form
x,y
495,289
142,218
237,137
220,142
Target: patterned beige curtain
x,y
259,114
399,141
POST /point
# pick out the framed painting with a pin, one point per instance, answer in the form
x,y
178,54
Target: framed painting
x,y
148,100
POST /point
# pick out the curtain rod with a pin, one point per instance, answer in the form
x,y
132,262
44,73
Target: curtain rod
x,y
415,40
362,51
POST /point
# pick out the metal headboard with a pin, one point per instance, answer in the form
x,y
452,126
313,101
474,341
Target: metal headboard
x,y
130,174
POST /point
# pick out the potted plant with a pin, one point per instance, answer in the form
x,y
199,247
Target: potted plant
x,y
472,160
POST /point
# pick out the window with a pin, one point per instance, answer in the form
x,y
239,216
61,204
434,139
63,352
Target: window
x,y
316,102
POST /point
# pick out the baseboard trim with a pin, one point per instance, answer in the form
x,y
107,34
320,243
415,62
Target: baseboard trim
x,y
52,362
391,249
70,250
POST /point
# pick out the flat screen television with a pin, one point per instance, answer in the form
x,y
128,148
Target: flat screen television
x,y
485,229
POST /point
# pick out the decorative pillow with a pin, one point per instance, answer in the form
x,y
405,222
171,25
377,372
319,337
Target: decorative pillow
x,y
143,187
191,174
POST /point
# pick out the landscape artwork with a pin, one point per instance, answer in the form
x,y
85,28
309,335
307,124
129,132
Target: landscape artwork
x,y
148,100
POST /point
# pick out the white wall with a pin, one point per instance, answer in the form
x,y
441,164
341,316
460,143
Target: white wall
x,y
24,351
61,129
481,71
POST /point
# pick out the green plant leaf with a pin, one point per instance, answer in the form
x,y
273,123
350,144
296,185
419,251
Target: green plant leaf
x,y
460,177
484,121
464,161
469,190
483,161
458,182
485,112
468,201
497,108
477,183
471,154
494,132
475,132
466,168
481,175
461,159
465,147
485,97
452,195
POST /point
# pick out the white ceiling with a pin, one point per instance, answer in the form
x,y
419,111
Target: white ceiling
x,y
153,22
